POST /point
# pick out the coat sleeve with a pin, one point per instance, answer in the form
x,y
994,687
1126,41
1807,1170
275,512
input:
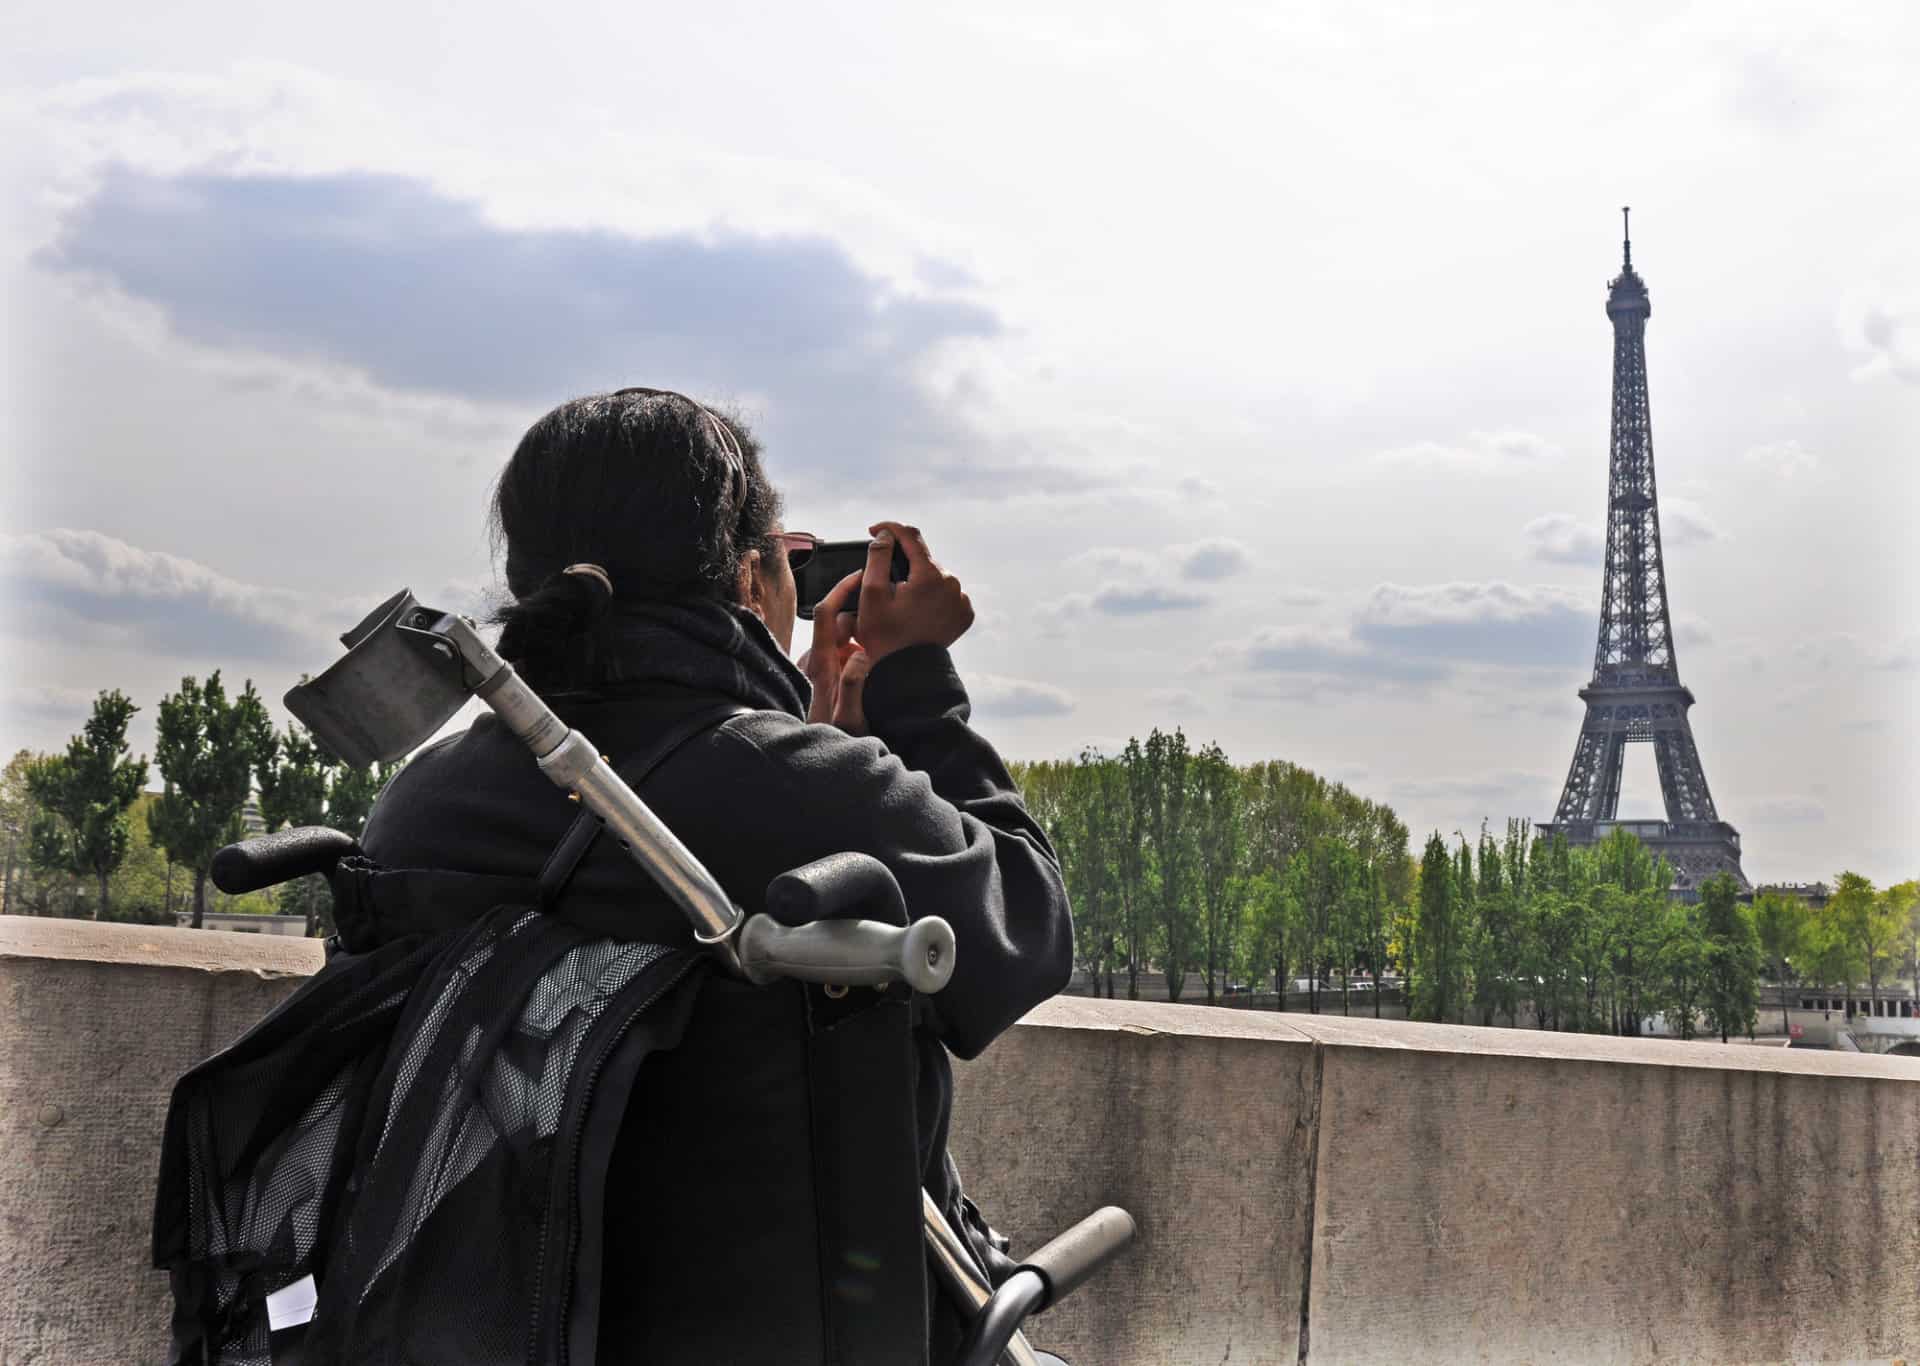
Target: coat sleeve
x,y
929,797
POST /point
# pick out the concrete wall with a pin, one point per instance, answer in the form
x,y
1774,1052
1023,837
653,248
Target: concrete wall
x,y
95,1023
1383,1190
1351,1190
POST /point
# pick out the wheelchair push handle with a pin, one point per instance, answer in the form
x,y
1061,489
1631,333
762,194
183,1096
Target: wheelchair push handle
x,y
841,920
849,953
1043,1280
280,857
1071,1259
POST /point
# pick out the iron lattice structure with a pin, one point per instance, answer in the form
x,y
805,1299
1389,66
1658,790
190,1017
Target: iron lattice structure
x,y
1636,695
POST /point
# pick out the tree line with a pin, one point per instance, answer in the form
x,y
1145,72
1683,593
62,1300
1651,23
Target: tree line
x,y
1180,862
83,835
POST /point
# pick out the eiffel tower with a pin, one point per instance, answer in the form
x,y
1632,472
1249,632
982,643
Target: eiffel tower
x,y
1636,694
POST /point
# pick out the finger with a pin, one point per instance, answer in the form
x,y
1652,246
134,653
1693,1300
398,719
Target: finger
x,y
914,546
849,710
826,616
877,580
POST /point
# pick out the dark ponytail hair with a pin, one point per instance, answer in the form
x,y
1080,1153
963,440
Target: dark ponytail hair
x,y
665,494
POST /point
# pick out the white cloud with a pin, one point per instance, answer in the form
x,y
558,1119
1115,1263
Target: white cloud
x,y
1691,631
1316,652
996,695
1791,810
1888,334
1683,522
1902,656
1118,600
1203,561
1394,605
1216,558
1479,453
1786,459
1488,624
1561,539
1112,562
1175,702
159,602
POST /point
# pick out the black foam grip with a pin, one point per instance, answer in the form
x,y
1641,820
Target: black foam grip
x,y
1075,1255
834,888
279,857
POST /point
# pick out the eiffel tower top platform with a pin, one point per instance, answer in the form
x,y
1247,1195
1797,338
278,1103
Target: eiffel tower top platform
x,y
1636,695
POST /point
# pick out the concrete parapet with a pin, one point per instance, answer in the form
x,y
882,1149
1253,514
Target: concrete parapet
x,y
96,1022
1472,1195
1368,1190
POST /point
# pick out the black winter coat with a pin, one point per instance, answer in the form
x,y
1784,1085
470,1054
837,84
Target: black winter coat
x,y
706,1176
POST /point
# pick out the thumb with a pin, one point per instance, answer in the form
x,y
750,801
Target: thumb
x,y
849,711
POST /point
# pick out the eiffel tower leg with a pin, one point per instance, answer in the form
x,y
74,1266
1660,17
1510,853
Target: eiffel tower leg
x,y
1683,783
1593,781
1615,766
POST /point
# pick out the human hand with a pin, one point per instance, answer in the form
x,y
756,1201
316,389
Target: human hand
x,y
836,665
929,608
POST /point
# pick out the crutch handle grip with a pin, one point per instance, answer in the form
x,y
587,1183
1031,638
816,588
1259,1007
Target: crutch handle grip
x,y
280,857
848,953
1070,1259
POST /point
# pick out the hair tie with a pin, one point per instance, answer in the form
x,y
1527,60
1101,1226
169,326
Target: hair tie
x,y
591,571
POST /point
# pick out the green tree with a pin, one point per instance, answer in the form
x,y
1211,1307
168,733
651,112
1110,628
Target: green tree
x,y
1219,821
1903,904
83,795
1492,949
1731,991
1272,932
1318,883
1439,969
139,891
1682,983
1863,919
1170,838
1832,957
296,777
351,796
17,811
208,751
1780,928
1130,816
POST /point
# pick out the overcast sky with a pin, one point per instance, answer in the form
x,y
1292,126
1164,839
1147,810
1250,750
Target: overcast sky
x,y
1249,364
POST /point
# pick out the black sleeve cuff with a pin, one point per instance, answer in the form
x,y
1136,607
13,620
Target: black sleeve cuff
x,y
914,683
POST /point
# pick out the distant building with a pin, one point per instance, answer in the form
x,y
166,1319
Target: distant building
x,y
242,923
1815,894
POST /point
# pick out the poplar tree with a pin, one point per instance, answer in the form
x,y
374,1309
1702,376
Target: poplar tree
x,y
1220,847
208,751
1732,958
82,797
1168,832
295,779
1436,936
1863,919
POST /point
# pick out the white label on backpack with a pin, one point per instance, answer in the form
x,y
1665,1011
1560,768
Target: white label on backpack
x,y
292,1305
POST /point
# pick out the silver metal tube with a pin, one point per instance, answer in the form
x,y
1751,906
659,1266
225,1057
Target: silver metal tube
x,y
954,1263
573,764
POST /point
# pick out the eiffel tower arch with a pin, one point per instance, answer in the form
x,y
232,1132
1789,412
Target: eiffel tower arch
x,y
1635,696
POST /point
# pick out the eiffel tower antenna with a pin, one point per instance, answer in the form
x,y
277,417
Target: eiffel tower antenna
x,y
1636,695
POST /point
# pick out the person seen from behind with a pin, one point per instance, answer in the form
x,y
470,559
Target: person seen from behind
x,y
681,598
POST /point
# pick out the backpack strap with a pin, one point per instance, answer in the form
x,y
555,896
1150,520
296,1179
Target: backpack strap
x,y
565,859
